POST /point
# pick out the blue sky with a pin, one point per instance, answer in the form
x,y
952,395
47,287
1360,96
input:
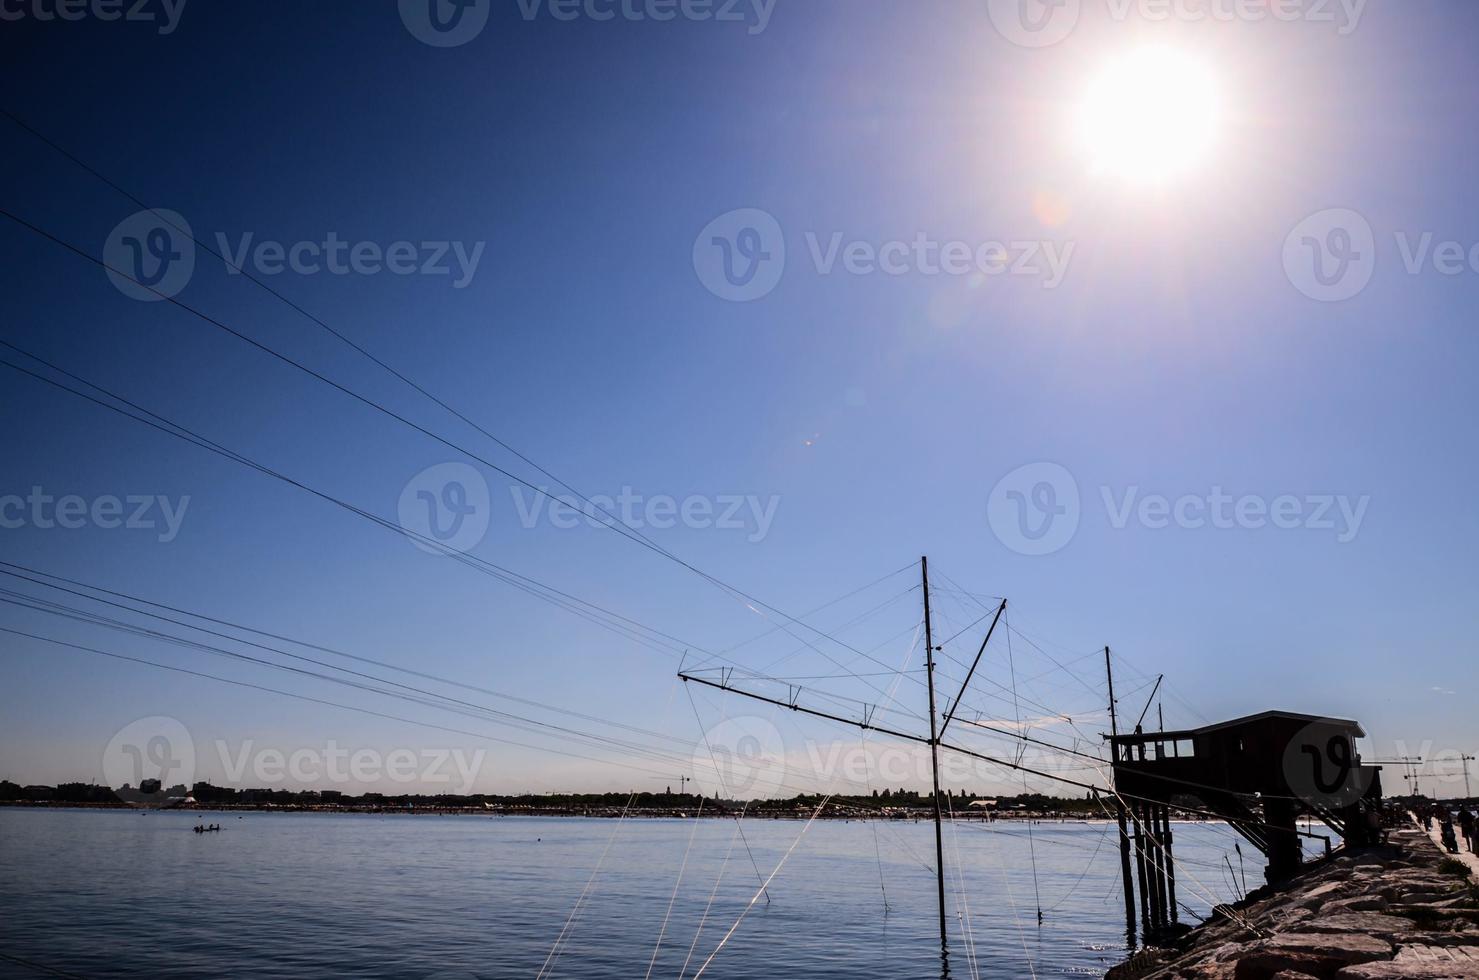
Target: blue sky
x,y
876,413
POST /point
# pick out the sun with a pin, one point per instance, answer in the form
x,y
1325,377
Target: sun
x,y
1149,115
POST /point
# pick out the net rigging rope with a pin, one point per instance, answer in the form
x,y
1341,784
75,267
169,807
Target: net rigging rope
x,y
703,919
1031,842
719,774
672,900
557,948
965,904
893,691
756,897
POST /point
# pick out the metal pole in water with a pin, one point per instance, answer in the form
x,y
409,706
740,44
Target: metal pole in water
x,y
929,659
1126,878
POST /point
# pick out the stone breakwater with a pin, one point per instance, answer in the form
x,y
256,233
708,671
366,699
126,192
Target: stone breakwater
x,y
1400,910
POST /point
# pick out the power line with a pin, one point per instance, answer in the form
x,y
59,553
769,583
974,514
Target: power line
x,y
416,695
321,701
297,308
653,637
466,709
756,605
15,569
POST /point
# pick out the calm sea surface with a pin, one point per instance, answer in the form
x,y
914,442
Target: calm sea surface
x,y
117,893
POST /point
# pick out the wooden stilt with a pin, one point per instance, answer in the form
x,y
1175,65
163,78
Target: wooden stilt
x,y
1137,814
1126,876
1170,864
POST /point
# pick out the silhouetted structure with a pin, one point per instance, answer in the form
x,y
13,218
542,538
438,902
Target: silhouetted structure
x,y
1259,773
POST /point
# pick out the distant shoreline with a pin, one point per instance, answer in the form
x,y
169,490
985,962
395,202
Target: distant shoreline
x,y
603,813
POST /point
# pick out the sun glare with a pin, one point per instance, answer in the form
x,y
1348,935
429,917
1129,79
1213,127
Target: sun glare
x,y
1149,115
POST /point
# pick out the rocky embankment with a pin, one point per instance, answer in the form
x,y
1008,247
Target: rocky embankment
x,y
1395,911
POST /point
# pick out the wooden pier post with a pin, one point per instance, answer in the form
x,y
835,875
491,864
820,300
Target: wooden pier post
x,y
1170,865
1126,877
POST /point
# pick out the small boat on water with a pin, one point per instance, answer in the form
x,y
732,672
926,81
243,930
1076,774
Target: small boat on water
x,y
202,829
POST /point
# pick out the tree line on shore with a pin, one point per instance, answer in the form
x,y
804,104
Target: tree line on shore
x,y
206,794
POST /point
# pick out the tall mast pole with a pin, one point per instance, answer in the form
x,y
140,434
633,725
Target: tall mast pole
x,y
1126,875
929,661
